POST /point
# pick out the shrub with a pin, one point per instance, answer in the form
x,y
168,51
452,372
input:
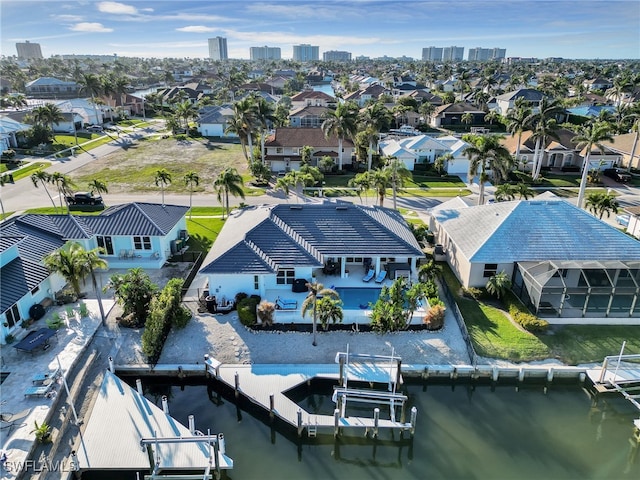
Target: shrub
x,y
522,316
266,310
8,154
473,292
247,311
9,338
240,296
434,319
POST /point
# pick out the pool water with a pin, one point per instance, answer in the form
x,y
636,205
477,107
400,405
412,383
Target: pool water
x,y
463,431
358,298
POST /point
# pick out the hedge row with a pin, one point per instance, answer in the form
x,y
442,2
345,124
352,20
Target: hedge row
x,y
522,316
165,311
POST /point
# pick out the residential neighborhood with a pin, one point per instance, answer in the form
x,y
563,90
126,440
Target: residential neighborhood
x,y
217,235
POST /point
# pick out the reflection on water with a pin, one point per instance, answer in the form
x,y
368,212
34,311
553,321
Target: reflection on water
x,y
468,431
465,432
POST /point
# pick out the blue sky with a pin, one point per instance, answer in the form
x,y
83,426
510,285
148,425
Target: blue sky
x,y
179,28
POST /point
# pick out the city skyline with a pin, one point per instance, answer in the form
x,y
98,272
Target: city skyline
x,y
587,29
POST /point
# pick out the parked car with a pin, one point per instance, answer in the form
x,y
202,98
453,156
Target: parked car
x,y
617,174
95,128
84,198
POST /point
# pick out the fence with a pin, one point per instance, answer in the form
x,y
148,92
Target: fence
x,y
451,302
189,256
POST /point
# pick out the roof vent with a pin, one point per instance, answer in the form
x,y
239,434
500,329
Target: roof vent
x,y
295,207
342,207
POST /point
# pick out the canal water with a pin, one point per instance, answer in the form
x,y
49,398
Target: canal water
x,y
463,431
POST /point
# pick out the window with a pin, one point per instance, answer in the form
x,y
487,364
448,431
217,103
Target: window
x,y
142,243
13,315
285,276
106,244
256,285
295,150
279,150
490,269
35,290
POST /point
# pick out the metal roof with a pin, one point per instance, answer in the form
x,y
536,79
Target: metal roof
x,y
533,230
149,219
18,278
304,234
120,418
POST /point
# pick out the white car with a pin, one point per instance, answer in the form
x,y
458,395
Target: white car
x,y
95,128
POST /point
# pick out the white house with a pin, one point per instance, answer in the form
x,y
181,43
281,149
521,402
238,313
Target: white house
x,y
8,130
564,263
426,149
213,120
507,101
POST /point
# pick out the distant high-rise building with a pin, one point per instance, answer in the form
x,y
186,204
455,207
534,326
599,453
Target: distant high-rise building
x,y
306,53
218,48
265,53
432,54
479,54
452,54
336,56
28,50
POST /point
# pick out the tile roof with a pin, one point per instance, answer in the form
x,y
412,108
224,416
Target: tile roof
x,y
307,94
529,94
533,230
304,234
299,137
457,108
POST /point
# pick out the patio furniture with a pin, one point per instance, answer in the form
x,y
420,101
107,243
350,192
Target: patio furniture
x,y
40,378
381,276
370,274
40,390
299,285
286,304
35,340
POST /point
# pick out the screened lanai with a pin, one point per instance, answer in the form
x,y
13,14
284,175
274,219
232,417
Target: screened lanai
x,y
574,289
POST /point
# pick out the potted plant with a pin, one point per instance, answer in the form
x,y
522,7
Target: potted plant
x,y
43,432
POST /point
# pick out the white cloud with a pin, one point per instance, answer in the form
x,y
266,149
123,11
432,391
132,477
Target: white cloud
x,y
68,18
196,29
90,27
117,8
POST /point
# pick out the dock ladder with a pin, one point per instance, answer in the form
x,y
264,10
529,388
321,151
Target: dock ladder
x,y
312,430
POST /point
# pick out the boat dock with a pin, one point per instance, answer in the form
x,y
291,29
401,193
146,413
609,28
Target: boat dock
x,y
265,386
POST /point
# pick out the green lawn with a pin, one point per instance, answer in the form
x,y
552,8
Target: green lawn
x,y
57,210
207,211
29,169
493,335
63,142
203,232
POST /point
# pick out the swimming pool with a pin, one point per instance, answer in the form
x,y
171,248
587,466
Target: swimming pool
x,y
355,298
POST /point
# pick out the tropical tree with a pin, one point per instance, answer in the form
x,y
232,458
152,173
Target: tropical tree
x,y
341,122
43,178
517,119
185,111
265,116
523,191
485,152
47,115
375,118
305,154
429,271
98,186
310,304
544,125
600,203
505,192
589,136
498,284
90,84
229,181
395,306
162,179
243,124
329,310
362,183
467,118
397,173
133,291
191,179
74,263
285,183
64,184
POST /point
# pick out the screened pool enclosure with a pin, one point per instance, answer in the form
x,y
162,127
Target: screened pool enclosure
x,y
574,289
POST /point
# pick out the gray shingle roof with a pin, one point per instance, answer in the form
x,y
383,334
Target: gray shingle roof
x,y
533,230
296,235
19,277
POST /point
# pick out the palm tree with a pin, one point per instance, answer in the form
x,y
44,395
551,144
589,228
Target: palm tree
x,y
485,153
362,182
588,137
341,122
47,115
601,203
98,186
284,184
429,271
311,302
397,173
162,179
64,185
265,115
373,120
523,190
544,125
228,182
467,118
329,310
42,178
463,81
90,83
505,192
244,123
74,263
498,284
191,179
185,110
93,262
517,119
